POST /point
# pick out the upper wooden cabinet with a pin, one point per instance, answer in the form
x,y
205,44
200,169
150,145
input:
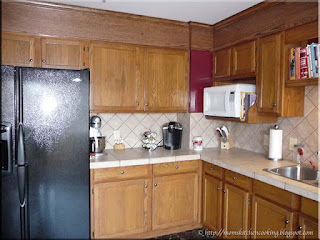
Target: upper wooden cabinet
x,y
222,63
166,75
116,77
236,62
268,79
18,50
65,54
175,200
243,58
269,216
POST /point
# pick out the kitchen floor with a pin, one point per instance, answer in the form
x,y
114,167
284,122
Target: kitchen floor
x,y
191,234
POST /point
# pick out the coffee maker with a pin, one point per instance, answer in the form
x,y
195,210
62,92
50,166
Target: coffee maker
x,y
172,135
97,141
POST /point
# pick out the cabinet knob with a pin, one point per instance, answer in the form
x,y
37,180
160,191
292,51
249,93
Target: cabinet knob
x,y
218,188
300,227
155,184
43,60
31,60
286,221
234,178
177,167
145,186
224,191
137,103
146,104
122,172
211,168
274,105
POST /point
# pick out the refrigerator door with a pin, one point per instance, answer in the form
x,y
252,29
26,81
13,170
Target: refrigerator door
x,y
56,130
10,207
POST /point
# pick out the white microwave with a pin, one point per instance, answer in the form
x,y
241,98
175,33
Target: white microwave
x,y
225,101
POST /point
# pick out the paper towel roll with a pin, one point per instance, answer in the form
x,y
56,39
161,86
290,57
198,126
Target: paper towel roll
x,y
275,144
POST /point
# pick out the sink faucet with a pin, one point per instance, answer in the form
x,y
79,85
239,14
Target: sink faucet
x,y
300,153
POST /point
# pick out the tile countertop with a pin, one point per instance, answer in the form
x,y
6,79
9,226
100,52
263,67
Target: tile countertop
x,y
237,160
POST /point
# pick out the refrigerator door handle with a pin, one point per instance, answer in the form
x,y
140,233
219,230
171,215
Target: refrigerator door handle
x,y
21,157
22,185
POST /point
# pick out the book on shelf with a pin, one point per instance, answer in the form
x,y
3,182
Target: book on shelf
x,y
304,62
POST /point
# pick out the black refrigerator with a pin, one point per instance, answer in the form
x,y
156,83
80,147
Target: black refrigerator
x,y
44,153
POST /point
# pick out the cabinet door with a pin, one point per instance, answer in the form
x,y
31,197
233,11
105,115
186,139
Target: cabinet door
x,y
222,63
244,58
64,54
167,80
120,208
175,200
269,76
236,210
268,216
17,50
309,227
212,203
116,77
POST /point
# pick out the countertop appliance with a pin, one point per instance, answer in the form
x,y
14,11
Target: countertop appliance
x,y
172,135
97,141
46,195
225,101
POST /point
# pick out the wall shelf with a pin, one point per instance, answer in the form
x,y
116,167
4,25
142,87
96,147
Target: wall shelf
x,y
302,82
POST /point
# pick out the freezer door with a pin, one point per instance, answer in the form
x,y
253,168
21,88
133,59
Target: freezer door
x,y
56,130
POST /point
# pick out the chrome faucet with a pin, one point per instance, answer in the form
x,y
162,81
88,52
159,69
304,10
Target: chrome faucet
x,y
300,153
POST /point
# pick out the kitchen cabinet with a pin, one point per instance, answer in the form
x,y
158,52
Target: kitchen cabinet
x,y
236,62
18,49
166,75
236,210
268,79
243,58
120,208
116,77
175,200
269,216
212,203
64,53
309,228
222,63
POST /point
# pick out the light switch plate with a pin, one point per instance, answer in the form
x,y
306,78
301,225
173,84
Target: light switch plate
x,y
292,142
266,140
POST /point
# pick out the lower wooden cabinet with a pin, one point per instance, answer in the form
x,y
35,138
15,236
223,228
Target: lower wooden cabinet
x,y
236,210
267,216
212,202
175,200
120,208
309,228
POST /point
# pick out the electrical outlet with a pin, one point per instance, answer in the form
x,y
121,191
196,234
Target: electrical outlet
x,y
266,140
292,142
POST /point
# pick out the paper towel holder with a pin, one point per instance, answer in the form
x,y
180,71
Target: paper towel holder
x,y
276,127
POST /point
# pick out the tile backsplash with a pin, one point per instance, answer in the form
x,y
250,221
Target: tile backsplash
x,y
132,125
251,136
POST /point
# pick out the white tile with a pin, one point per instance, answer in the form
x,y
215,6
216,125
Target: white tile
x,y
162,160
269,180
134,162
132,139
115,122
132,122
140,116
124,116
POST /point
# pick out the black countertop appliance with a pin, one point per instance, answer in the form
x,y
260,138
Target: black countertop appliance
x,y
172,135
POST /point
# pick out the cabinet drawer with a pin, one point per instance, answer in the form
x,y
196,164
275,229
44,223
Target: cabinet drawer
x,y
121,173
212,170
238,180
175,167
309,207
275,194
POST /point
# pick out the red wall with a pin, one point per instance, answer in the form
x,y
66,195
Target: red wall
x,y
201,65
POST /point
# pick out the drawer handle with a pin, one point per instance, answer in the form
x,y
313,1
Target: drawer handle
x,y
286,222
137,103
234,178
43,60
211,168
31,60
155,184
177,167
122,172
218,188
145,186
300,227
224,191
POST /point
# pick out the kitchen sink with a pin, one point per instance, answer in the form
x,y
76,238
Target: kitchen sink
x,y
299,173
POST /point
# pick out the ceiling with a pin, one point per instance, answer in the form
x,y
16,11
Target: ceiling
x,y
203,11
